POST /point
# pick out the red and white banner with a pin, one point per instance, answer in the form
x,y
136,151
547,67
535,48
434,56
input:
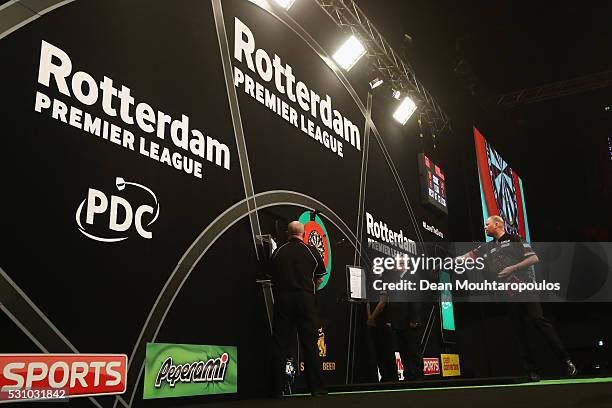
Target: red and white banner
x,y
431,366
77,375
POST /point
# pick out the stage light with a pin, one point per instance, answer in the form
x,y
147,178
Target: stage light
x,y
286,4
349,53
600,343
405,110
397,94
375,83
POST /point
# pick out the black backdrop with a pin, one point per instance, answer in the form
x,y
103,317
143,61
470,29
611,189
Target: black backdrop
x,y
99,295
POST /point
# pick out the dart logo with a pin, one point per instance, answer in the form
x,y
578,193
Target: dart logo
x,y
316,235
122,215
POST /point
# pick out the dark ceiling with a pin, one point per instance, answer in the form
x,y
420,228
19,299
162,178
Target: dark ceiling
x,y
559,146
510,45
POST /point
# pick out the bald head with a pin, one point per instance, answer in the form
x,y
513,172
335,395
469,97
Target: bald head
x,y
495,226
295,229
497,218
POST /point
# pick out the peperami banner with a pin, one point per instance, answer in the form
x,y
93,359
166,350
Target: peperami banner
x,y
180,370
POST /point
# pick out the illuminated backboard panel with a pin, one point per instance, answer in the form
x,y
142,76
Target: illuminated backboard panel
x,y
433,184
501,189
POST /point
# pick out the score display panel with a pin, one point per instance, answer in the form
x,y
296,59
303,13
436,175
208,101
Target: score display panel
x,y
433,184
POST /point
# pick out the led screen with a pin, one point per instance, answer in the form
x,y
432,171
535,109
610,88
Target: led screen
x,y
501,189
433,184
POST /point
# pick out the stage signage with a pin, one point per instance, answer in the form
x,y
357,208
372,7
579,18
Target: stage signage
x,y
326,365
71,375
55,73
433,230
431,366
399,365
98,203
313,108
450,365
383,239
180,370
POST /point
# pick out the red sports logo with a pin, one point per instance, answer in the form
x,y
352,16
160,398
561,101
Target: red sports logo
x,y
78,375
431,366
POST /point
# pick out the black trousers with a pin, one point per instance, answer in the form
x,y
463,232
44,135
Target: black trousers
x,y
296,310
525,315
382,335
409,341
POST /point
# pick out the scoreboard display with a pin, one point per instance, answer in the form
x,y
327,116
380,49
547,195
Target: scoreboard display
x,y
433,184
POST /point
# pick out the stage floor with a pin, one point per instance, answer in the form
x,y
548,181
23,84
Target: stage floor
x,y
574,393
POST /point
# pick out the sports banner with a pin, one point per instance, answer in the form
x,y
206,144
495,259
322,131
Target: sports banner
x,y
431,366
59,376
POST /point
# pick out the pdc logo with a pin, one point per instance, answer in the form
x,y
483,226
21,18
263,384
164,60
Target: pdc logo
x,y
115,217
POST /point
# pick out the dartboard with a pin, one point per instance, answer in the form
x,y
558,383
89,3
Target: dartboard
x,y
315,239
503,189
315,234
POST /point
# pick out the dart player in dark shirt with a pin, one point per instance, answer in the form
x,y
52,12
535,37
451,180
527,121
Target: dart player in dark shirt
x,y
297,272
405,318
510,259
379,327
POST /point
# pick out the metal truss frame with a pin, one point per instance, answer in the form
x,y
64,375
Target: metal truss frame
x,y
386,61
553,91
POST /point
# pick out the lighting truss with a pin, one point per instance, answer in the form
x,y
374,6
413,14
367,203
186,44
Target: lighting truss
x,y
349,18
552,91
